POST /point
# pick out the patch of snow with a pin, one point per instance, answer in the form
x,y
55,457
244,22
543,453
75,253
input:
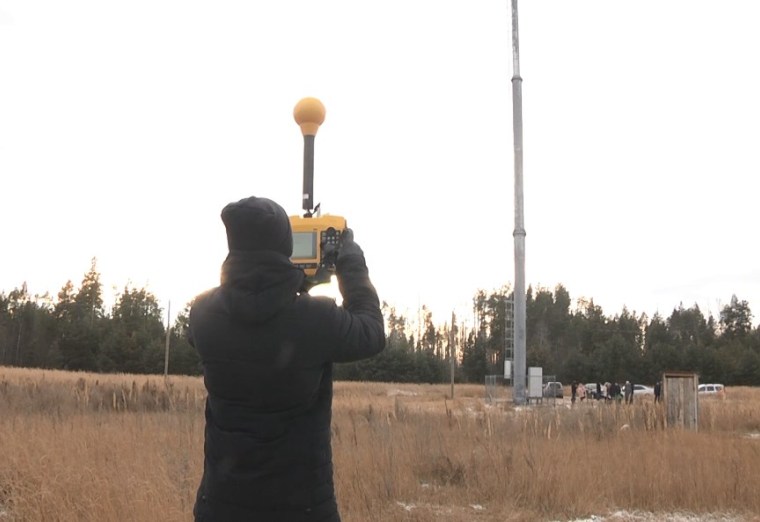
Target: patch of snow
x,y
407,507
640,516
393,393
477,507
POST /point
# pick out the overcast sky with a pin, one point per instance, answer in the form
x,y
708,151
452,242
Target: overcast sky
x,y
125,127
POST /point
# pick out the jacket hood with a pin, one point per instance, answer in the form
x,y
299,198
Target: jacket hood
x,y
258,284
254,224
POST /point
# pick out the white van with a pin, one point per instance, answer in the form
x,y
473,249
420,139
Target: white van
x,y
710,389
554,389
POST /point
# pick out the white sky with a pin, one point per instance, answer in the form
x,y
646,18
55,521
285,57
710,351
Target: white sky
x,y
125,127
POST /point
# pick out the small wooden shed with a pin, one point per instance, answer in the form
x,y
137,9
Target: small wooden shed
x,y
679,390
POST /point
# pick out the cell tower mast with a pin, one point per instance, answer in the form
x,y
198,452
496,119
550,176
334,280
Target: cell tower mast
x,y
519,395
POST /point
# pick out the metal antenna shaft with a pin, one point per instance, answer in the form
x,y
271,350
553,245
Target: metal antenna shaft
x,y
308,173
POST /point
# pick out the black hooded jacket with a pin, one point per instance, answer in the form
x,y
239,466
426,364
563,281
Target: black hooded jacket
x,y
267,351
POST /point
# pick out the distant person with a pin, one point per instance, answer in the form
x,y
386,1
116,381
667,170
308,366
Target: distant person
x,y
573,392
657,391
628,391
267,349
616,394
582,392
598,390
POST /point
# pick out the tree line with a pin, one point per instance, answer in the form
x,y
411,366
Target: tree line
x,y
75,331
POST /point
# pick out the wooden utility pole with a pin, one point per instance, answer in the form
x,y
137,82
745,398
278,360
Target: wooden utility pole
x,y
452,351
168,337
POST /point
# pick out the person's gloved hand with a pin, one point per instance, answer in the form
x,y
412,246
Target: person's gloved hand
x,y
347,245
329,254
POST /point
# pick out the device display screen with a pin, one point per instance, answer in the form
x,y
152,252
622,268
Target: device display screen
x,y
304,245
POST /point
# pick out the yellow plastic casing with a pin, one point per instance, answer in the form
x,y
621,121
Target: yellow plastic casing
x,y
310,235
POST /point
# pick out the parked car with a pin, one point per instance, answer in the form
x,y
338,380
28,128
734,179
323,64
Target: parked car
x,y
640,389
710,389
591,391
554,389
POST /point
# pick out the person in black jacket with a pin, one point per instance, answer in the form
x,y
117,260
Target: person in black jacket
x,y
267,349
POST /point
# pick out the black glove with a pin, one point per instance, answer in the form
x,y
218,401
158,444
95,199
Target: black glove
x,y
330,255
347,245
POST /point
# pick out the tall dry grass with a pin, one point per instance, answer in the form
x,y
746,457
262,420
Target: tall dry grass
x,y
92,447
89,447
461,460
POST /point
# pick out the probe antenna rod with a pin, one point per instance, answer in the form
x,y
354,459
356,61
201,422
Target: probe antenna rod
x,y
309,114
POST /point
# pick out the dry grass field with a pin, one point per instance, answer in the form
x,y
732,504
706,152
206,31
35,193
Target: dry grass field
x,y
85,447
